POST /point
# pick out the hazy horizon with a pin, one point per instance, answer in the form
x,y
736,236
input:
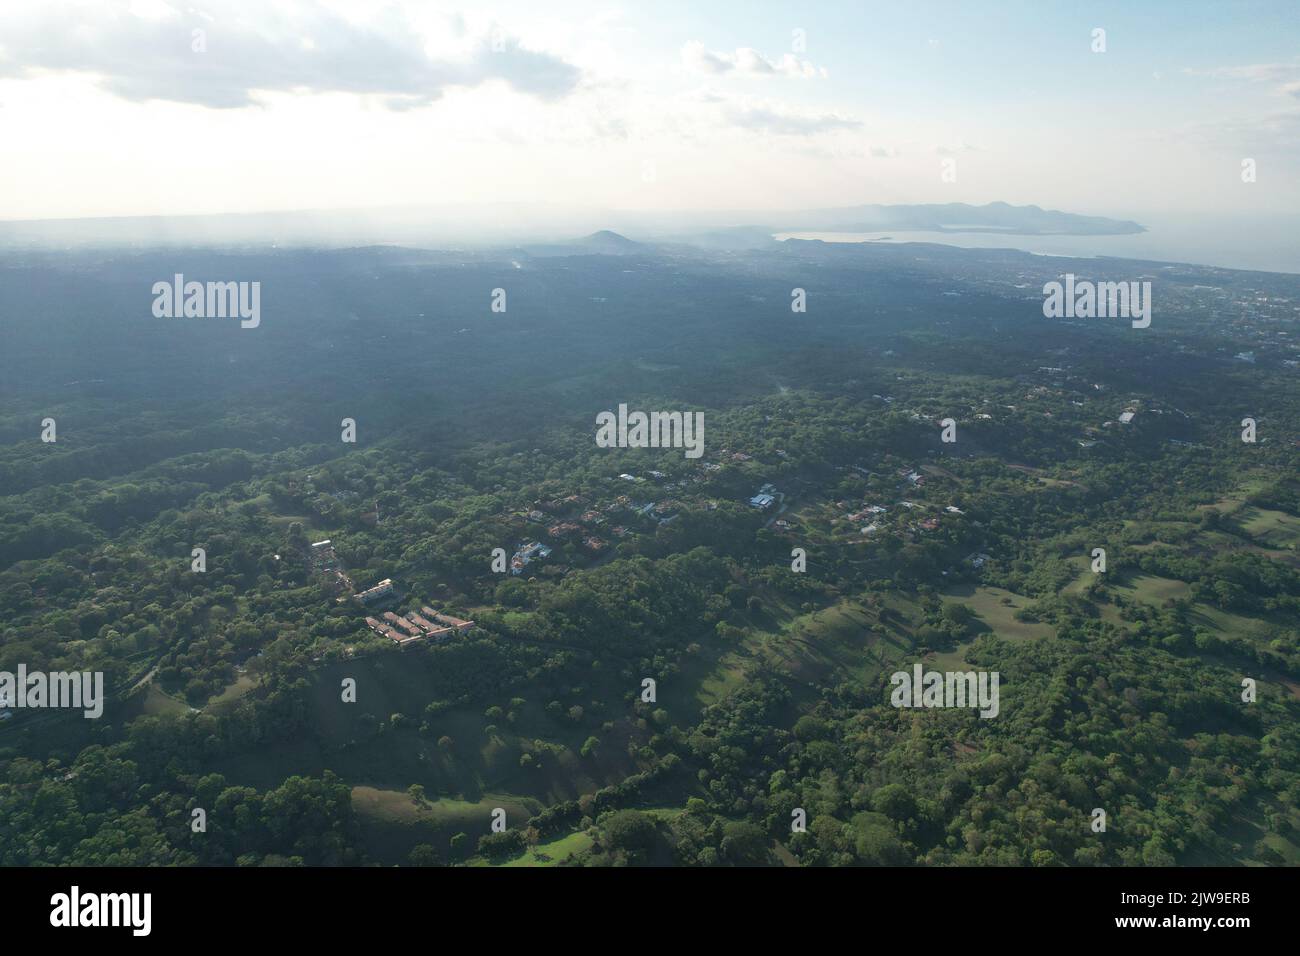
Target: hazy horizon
x,y
1269,243
152,108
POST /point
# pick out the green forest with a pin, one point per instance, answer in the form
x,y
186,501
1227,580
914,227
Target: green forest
x,y
667,685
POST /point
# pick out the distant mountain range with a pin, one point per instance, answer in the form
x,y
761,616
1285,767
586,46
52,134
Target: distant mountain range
x,y
605,242
957,217
997,218
538,229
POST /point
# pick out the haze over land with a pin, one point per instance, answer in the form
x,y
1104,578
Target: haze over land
x,y
1257,242
515,223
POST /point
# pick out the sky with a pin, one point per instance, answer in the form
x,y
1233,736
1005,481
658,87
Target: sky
x,y
156,107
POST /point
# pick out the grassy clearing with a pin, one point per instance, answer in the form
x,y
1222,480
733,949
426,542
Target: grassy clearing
x,y
1150,589
812,646
554,851
393,824
1271,529
233,691
1229,623
1230,504
995,608
158,703
518,621
722,680
310,526
1042,480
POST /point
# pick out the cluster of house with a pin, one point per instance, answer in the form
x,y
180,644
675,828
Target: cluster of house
x,y
872,513
866,513
526,553
562,521
325,561
381,590
709,467
663,512
417,626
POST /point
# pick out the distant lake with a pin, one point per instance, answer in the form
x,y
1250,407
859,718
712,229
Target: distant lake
x,y
1268,244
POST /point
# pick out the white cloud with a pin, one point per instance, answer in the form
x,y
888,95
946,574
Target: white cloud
x,y
1284,78
771,119
746,61
147,50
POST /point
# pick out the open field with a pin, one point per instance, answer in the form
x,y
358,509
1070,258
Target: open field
x,y
995,609
394,824
554,851
1271,529
811,646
